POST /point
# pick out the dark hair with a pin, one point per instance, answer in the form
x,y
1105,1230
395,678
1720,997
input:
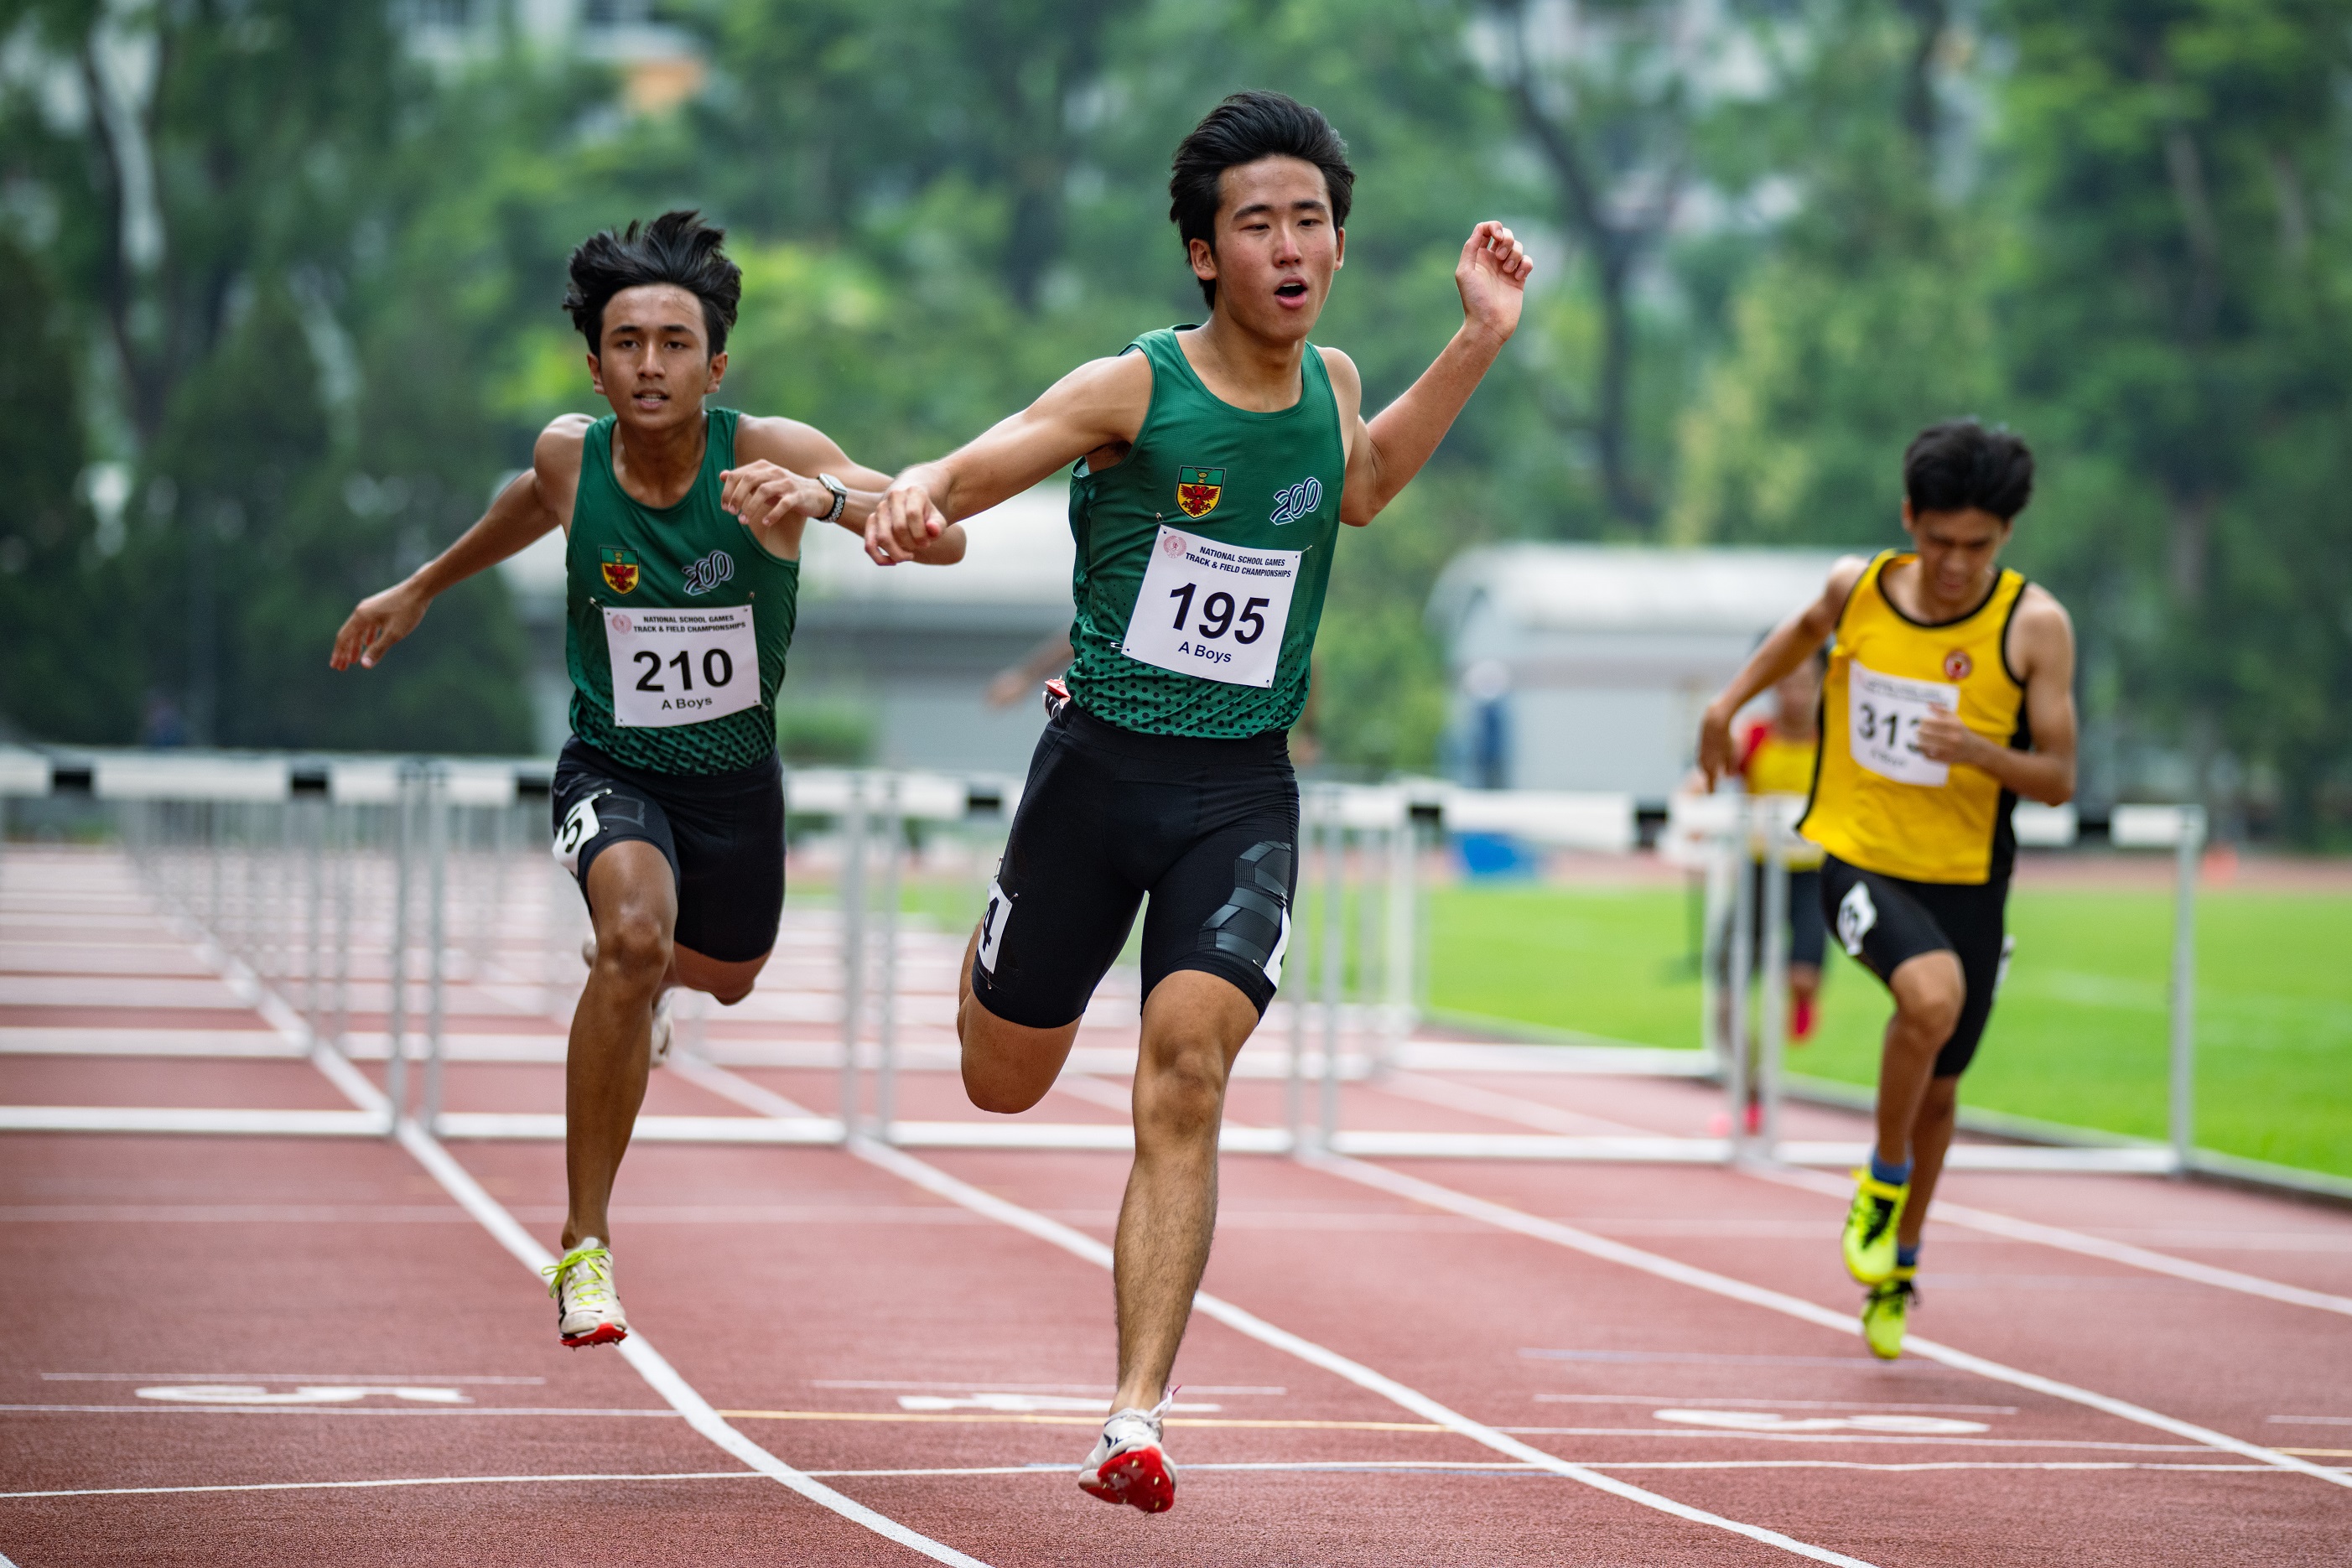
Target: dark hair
x,y
676,247
1241,130
1959,465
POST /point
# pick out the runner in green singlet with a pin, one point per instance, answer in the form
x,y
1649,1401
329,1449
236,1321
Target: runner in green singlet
x,y
1215,465
682,557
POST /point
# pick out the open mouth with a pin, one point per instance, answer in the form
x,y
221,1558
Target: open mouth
x,y
1294,290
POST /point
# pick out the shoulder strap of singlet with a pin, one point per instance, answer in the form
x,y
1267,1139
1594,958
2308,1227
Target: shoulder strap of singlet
x,y
2015,584
1869,579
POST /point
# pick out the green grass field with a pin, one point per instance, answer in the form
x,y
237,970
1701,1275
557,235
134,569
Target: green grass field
x,y
2079,1034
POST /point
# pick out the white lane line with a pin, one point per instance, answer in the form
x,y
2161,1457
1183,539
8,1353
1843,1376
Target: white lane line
x,y
650,1365
2010,1227
400,1377
707,1075
1499,1107
390,1481
1388,1467
335,1410
1415,1189
933,1180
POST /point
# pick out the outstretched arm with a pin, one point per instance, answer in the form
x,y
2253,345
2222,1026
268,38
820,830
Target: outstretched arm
x,y
772,492
1791,643
1384,455
1101,403
531,503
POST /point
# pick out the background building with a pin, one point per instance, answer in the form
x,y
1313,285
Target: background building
x,y
1585,667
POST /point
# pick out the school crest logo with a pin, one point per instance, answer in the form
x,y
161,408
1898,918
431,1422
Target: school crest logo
x,y
620,569
1197,491
1957,664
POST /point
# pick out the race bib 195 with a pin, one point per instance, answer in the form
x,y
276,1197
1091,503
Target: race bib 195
x,y
681,667
1884,713
1213,609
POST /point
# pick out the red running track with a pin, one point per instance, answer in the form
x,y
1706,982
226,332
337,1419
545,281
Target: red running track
x,y
281,1319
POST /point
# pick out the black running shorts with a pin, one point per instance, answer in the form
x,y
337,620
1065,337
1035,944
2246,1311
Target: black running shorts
x,y
1206,828
722,834
1886,921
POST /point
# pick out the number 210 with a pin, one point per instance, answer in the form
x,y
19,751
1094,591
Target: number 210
x,y
718,669
1217,615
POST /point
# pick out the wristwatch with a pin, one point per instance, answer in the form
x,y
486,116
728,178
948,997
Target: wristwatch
x,y
840,497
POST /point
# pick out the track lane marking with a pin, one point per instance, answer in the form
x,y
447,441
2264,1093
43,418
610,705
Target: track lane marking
x,y
933,1180
1502,1217
1688,1434
650,1365
2011,1228
1387,1467
1501,1108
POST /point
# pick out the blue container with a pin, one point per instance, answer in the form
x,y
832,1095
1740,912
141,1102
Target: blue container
x,y
1495,856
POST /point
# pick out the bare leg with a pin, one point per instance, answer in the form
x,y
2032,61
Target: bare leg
x,y
1804,981
633,900
1007,1066
1195,1024
1928,991
1931,1135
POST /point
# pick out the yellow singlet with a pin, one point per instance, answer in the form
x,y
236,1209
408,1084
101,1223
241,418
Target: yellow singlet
x,y
1877,802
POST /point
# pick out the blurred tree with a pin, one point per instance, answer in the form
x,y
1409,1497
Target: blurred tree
x,y
1603,93
2177,312
1870,317
216,185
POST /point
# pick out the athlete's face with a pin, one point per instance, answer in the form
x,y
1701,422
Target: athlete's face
x,y
1276,246
656,364
1959,552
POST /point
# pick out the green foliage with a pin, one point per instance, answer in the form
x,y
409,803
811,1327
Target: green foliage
x,y
1768,250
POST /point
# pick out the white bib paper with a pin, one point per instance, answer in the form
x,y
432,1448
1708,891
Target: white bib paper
x,y
1213,609
1883,715
681,667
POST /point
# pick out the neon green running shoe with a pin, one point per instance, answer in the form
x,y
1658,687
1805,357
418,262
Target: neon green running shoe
x,y
1870,1228
1885,1310
587,1313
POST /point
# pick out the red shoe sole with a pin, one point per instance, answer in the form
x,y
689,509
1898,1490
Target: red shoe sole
x,y
1139,1479
602,1334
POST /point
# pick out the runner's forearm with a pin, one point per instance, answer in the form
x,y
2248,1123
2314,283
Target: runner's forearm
x,y
516,518
1790,643
2044,776
1405,433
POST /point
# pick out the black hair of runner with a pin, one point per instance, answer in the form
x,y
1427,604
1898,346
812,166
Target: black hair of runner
x,y
1241,130
1959,465
676,247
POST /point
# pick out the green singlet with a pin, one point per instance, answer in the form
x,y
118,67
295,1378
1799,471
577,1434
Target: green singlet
x,y
1246,483
624,555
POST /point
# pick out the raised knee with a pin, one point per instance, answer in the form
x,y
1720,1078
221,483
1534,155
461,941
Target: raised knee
x,y
999,1099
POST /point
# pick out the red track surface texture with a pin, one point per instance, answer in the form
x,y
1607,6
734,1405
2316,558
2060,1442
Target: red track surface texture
x,y
229,1349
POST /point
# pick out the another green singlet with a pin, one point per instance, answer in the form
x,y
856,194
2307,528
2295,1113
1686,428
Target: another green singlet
x,y
624,555
1244,484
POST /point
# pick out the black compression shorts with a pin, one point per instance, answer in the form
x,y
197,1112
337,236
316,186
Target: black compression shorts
x,y
722,834
1886,920
1206,828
